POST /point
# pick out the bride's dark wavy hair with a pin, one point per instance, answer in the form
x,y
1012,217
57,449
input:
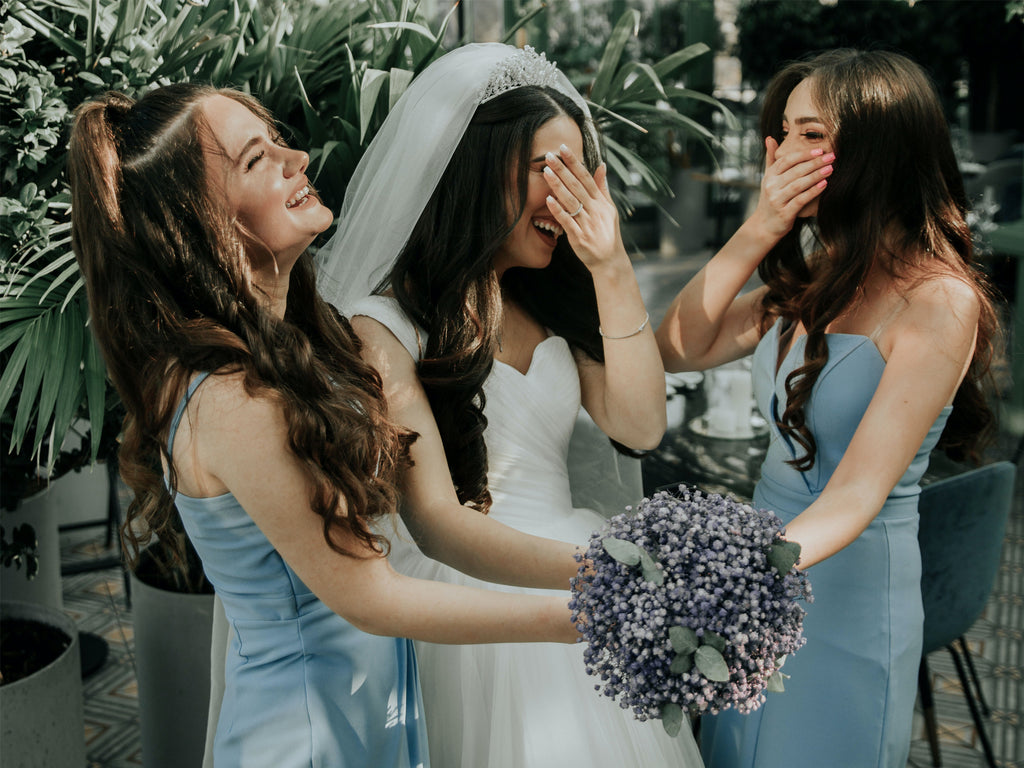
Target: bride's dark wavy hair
x,y
168,273
444,279
895,172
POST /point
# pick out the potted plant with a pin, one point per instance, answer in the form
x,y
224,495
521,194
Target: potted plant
x,y
40,688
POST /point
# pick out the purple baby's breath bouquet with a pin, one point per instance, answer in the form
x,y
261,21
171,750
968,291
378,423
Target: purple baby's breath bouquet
x,y
689,604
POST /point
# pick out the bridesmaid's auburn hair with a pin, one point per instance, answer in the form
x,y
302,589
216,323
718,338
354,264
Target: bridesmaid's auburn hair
x,y
898,174
167,271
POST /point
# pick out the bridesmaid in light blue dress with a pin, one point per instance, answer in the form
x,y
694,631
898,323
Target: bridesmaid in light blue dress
x,y
253,420
870,340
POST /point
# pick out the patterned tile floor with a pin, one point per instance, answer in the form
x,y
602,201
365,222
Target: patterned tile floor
x,y
97,603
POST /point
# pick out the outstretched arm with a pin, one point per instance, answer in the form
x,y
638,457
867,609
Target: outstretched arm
x,y
463,538
273,487
709,323
626,395
931,351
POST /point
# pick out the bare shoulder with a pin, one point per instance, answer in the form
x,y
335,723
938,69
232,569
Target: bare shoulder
x,y
219,425
372,332
381,348
939,319
945,302
228,415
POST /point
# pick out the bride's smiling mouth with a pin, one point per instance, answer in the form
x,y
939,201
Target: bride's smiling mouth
x,y
549,231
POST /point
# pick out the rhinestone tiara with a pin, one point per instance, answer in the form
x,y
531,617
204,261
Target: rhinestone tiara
x,y
524,67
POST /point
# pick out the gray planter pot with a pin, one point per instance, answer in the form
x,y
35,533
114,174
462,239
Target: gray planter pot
x,y
172,656
42,724
45,589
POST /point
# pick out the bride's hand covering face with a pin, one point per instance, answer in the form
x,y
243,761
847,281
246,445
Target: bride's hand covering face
x,y
583,206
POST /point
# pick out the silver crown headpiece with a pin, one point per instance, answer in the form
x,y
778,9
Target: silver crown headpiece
x,y
524,67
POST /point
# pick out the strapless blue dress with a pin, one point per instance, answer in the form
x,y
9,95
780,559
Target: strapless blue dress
x,y
303,687
849,701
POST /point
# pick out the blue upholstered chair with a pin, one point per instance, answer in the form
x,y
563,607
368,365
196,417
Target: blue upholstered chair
x,y
963,520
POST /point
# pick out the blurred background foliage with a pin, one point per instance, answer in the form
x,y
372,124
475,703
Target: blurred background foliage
x,y
969,47
328,71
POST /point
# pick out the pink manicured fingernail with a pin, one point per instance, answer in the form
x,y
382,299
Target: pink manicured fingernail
x,y
826,170
829,157
820,185
816,152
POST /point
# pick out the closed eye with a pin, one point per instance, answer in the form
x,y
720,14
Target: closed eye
x,y
254,159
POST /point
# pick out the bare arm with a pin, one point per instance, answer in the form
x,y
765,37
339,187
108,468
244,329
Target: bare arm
x,y
708,323
626,395
272,486
929,358
445,530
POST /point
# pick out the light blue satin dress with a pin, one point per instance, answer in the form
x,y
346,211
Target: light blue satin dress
x,y
303,686
850,698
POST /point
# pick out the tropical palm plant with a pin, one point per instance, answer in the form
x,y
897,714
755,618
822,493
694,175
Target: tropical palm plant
x,y
330,74
631,97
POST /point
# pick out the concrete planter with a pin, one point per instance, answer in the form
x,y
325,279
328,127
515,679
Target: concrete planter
x,y
172,652
45,589
42,724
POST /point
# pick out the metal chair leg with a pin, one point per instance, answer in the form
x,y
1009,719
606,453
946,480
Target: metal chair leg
x,y
979,724
974,676
924,688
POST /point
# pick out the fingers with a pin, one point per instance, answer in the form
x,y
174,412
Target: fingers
x,y
771,147
566,199
789,176
799,164
572,173
562,216
601,180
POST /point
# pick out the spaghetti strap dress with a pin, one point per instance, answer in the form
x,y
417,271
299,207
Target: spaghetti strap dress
x,y
303,687
524,705
849,700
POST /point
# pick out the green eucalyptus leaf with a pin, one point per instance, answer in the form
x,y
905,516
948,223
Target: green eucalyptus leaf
x,y
28,193
626,552
711,664
715,640
89,77
650,569
683,639
683,662
776,683
672,718
782,555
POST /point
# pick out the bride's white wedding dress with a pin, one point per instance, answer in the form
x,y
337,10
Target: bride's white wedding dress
x,y
528,705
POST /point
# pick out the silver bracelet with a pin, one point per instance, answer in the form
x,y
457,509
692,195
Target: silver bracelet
x,y
647,319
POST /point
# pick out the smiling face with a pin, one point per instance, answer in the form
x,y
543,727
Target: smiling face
x,y
533,239
804,128
264,182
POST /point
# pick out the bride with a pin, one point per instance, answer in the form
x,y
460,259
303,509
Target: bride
x,y
480,258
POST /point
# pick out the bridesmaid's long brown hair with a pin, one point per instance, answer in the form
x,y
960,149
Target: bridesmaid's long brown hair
x,y
166,268
895,171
